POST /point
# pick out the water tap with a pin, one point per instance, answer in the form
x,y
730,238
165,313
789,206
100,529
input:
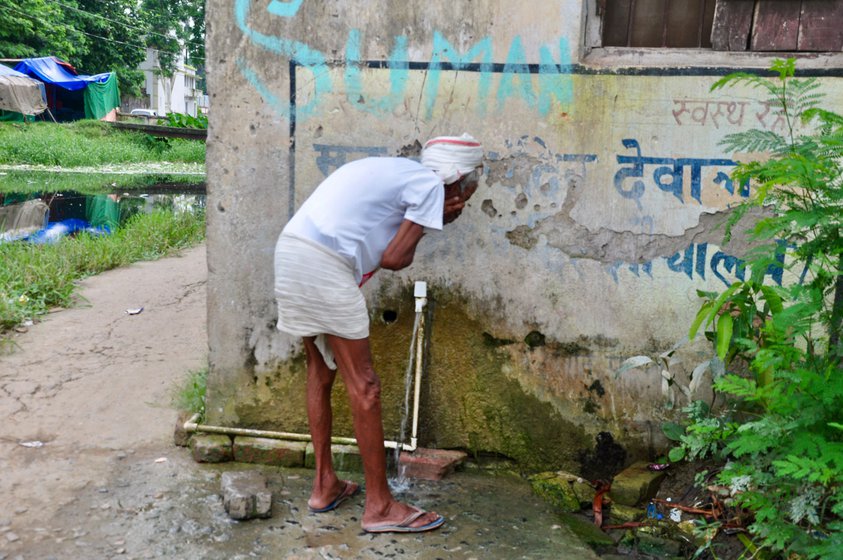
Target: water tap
x,y
420,293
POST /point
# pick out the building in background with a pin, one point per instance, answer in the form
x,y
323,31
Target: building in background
x,y
171,94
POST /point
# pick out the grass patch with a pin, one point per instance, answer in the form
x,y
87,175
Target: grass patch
x,y
190,396
37,182
89,143
37,278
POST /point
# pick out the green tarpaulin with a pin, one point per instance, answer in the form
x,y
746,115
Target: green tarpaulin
x,y
11,116
102,211
100,99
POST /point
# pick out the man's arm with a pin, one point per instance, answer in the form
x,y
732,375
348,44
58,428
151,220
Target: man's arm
x,y
400,251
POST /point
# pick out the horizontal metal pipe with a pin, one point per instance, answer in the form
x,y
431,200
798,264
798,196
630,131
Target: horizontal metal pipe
x,y
192,426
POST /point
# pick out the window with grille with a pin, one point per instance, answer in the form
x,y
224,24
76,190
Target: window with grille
x,y
725,25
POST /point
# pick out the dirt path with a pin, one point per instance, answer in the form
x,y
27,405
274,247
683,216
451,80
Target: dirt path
x,y
93,385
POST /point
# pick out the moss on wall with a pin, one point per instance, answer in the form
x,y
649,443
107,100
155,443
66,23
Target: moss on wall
x,y
468,399
470,402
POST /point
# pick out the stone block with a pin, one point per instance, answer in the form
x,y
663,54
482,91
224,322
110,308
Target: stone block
x,y
266,451
635,484
211,448
565,491
245,495
587,531
619,513
346,458
181,437
658,547
430,464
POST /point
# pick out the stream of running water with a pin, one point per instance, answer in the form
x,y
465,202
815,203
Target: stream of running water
x,y
400,483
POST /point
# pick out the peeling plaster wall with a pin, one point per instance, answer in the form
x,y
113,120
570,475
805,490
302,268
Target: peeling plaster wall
x,y
595,223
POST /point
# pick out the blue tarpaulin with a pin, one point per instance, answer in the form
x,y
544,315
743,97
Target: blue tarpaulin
x,y
6,71
48,69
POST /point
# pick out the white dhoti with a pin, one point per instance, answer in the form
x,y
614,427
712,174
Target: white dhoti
x,y
317,294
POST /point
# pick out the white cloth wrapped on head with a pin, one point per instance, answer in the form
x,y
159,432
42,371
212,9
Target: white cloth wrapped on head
x,y
451,157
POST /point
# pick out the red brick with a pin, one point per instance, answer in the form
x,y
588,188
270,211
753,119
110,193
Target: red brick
x,y
430,464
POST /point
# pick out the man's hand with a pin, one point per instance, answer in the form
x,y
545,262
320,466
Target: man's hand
x,y
453,208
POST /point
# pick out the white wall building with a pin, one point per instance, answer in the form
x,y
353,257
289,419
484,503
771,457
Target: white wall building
x,y
174,94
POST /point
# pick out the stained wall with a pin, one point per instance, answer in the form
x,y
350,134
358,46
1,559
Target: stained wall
x,y
597,220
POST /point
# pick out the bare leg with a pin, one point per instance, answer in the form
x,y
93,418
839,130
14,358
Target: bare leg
x,y
320,380
354,360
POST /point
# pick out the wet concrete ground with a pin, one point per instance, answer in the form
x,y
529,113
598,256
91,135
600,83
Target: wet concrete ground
x,y
92,385
167,506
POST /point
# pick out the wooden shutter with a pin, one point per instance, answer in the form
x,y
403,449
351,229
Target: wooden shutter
x,y
778,25
647,29
616,23
821,26
683,23
657,23
732,25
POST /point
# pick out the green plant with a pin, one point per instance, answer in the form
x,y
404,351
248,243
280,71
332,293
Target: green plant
x,y
780,433
36,278
190,396
180,120
42,182
88,143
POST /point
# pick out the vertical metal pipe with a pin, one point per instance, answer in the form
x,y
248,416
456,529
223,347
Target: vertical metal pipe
x,y
417,381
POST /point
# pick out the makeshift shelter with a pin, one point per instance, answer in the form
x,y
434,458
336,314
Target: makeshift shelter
x,y
72,96
20,95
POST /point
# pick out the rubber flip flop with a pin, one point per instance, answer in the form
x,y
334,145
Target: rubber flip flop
x,y
404,526
349,490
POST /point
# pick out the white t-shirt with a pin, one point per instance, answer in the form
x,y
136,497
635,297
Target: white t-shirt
x,y
357,210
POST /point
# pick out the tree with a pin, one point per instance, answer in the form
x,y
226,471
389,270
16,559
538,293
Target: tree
x,y
116,40
176,23
105,35
32,28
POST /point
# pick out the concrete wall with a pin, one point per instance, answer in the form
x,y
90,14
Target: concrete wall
x,y
593,227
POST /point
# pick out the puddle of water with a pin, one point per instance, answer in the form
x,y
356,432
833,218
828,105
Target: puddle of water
x,y
43,215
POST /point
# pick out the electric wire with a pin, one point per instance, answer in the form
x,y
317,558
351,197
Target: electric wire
x,y
192,58
92,14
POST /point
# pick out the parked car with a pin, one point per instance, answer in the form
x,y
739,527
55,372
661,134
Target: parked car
x,y
143,113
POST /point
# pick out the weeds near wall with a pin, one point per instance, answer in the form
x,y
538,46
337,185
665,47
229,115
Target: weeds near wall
x,y
780,435
190,396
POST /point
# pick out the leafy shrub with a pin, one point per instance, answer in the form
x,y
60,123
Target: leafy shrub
x,y
180,120
780,435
